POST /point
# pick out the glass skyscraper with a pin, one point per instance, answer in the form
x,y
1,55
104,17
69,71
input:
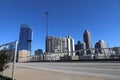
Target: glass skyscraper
x,y
25,38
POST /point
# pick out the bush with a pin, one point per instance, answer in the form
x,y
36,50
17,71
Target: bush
x,y
4,78
5,57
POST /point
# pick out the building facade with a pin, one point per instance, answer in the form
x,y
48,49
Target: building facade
x,y
81,47
59,45
78,46
70,46
38,52
101,51
55,44
25,38
87,39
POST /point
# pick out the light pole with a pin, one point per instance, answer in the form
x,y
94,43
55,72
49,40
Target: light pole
x,y
46,23
46,32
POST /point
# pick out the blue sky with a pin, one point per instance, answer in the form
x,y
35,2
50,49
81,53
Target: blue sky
x,y
66,17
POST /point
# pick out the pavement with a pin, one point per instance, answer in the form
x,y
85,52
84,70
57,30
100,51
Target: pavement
x,y
66,71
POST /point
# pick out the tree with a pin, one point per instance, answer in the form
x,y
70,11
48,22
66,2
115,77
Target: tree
x,y
5,58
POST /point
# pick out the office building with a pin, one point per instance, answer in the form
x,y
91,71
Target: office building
x,y
70,46
81,47
38,52
101,44
78,46
55,44
87,39
25,41
88,42
25,38
59,45
101,51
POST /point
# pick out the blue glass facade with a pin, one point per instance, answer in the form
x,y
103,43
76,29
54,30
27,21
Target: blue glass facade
x,y
25,38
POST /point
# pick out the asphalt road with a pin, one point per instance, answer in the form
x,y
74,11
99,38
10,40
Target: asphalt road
x,y
105,70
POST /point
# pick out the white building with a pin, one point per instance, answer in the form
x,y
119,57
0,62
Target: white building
x,y
60,45
101,52
70,46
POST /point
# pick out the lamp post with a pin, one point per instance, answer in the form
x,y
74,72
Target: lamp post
x,y
46,23
46,32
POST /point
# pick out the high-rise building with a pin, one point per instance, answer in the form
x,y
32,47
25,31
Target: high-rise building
x,y
70,46
100,49
87,39
55,44
59,45
25,38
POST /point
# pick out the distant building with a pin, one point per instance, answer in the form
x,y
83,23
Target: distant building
x,y
11,46
81,47
100,50
101,44
116,54
59,45
70,45
38,52
55,44
78,46
25,38
87,39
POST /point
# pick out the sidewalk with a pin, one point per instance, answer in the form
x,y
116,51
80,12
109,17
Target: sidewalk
x,y
35,74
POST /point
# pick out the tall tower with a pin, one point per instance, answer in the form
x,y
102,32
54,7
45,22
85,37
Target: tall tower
x,y
25,38
87,39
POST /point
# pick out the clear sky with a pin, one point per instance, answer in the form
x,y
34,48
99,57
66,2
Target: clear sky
x,y
66,17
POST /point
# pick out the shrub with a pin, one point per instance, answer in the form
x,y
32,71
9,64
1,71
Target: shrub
x,y
5,57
